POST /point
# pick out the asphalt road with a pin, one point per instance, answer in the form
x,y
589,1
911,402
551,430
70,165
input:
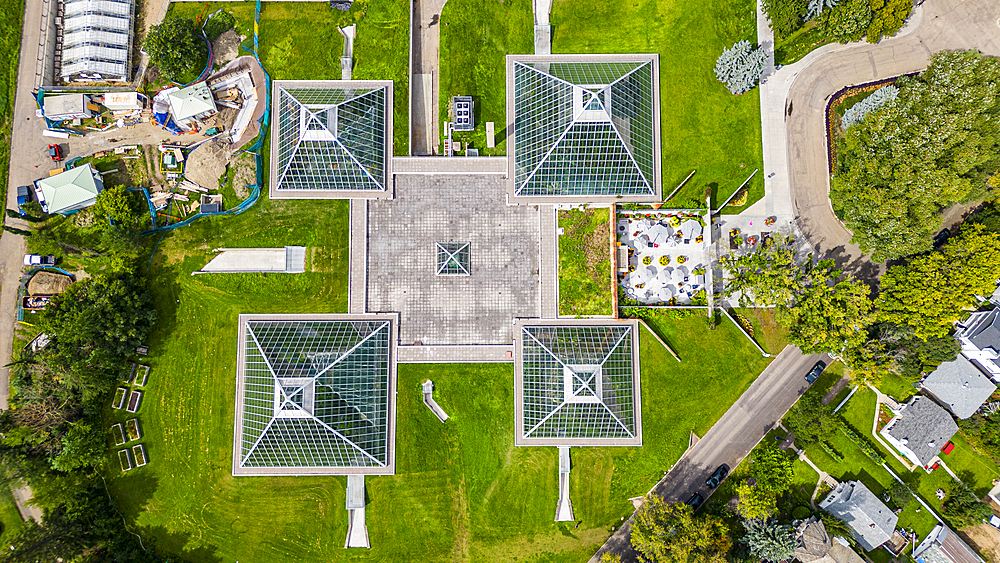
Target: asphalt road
x,y
731,438
945,24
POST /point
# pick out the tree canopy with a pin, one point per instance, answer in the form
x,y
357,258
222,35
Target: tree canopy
x,y
671,533
175,46
935,145
769,540
963,509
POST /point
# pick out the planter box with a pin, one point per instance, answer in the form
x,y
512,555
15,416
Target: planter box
x,y
142,376
132,427
119,398
139,453
128,375
118,434
124,460
134,400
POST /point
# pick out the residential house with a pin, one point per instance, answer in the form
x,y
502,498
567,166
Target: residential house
x,y
815,545
192,104
960,386
979,336
944,546
68,106
871,521
69,191
920,430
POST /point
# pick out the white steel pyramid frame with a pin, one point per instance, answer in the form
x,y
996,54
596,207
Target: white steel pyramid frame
x,y
586,128
315,395
454,258
331,139
576,383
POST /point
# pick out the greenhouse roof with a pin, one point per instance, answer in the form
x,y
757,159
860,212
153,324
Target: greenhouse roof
x,y
577,383
331,139
315,395
585,126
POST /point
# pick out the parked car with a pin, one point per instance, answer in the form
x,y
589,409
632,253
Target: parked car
x,y
39,260
23,197
815,371
941,237
56,153
717,477
695,501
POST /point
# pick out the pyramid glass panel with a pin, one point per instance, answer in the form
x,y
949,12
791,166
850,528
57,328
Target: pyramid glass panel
x,y
330,138
576,383
314,395
584,128
454,258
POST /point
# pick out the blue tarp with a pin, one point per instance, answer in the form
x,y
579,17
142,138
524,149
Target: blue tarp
x,y
167,122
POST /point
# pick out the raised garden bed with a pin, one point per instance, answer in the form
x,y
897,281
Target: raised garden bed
x,y
139,453
132,427
119,398
142,376
134,400
128,374
118,434
124,460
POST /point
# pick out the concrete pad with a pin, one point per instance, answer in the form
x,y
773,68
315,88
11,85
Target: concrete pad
x,y
543,39
452,165
290,259
457,354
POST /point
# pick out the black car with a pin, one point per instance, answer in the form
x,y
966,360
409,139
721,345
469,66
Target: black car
x,y
695,501
717,477
815,371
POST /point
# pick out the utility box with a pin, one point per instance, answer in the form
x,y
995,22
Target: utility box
x,y
464,115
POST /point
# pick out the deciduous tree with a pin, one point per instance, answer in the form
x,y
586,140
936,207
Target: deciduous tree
x,y
175,46
670,533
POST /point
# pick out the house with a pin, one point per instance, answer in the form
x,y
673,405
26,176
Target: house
x,y
960,386
944,546
70,191
919,430
192,104
871,521
68,106
979,336
815,545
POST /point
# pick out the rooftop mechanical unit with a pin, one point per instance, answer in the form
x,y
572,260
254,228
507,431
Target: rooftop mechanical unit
x,y
464,116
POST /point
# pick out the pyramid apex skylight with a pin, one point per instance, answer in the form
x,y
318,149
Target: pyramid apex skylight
x,y
315,395
331,139
586,127
576,383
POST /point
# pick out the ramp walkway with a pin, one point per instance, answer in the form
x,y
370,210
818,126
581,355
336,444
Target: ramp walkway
x,y
287,260
357,530
428,387
564,511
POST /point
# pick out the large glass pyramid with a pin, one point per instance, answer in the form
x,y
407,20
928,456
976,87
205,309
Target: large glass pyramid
x,y
330,138
315,394
584,128
577,382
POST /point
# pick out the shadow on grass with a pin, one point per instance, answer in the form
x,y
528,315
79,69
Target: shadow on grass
x,y
159,540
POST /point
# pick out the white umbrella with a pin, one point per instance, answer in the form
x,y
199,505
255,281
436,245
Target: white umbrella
x,y
640,276
659,234
663,278
690,229
665,293
678,275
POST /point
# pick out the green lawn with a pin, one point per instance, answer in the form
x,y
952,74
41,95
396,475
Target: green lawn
x,y
11,16
475,37
584,262
10,519
799,44
301,41
702,126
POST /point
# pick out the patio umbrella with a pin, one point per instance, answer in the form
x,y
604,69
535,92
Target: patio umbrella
x,y
690,229
658,234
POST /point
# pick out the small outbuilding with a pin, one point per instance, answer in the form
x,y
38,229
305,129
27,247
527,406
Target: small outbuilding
x,y
191,104
70,191
124,101
68,106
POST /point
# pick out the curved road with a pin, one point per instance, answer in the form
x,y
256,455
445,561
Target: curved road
x,y
945,24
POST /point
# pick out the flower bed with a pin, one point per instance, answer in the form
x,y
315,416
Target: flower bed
x,y
142,377
124,460
664,260
118,434
132,427
647,260
133,401
884,416
139,453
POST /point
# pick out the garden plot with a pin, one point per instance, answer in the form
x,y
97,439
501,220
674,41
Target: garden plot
x,y
142,377
666,255
124,460
132,427
119,399
139,453
134,400
118,434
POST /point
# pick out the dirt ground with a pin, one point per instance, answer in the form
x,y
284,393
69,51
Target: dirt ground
x,y
985,539
207,163
244,173
226,47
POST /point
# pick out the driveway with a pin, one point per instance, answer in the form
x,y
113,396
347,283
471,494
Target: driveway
x,y
755,413
944,24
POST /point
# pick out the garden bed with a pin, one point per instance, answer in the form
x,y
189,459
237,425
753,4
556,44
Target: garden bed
x,y
134,401
118,434
142,377
124,460
119,399
132,427
128,374
884,416
139,453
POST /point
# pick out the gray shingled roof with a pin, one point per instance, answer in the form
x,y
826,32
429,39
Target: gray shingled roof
x,y
870,520
960,386
924,427
983,330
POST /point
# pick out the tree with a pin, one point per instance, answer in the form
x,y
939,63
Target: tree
x,y
175,46
834,526
963,508
755,502
785,16
772,468
888,17
815,8
83,446
766,277
874,101
810,420
740,67
936,145
669,533
848,21
900,494
829,317
769,540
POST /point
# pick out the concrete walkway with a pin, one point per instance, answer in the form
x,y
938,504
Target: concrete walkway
x,y
937,26
425,40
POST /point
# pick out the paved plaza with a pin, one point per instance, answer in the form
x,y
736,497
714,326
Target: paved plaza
x,y
403,260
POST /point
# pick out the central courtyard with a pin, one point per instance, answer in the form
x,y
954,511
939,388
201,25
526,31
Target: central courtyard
x,y
494,279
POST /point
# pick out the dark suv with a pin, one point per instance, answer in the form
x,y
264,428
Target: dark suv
x,y
815,372
695,501
717,477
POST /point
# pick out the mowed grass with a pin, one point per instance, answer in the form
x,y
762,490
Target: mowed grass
x,y
10,518
462,491
476,35
702,126
11,18
301,41
585,283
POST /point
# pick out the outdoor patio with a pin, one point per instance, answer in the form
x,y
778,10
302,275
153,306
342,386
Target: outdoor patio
x,y
667,255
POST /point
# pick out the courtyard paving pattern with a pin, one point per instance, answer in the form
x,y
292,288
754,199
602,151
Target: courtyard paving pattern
x,y
453,309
